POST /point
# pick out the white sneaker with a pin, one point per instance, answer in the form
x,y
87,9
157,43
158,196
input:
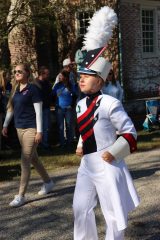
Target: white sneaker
x,y
46,188
17,201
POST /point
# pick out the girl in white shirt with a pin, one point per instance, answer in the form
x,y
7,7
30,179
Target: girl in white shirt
x,y
25,103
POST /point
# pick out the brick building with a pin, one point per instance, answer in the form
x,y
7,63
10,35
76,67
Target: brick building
x,y
140,47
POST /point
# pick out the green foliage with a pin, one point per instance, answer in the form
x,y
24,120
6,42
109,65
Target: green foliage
x,y
23,12
37,13
148,140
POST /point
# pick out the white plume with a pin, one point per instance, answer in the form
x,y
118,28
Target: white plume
x,y
100,29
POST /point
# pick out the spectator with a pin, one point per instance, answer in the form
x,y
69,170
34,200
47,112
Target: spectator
x,y
5,89
26,104
8,86
2,86
69,67
80,52
46,89
1,115
64,92
112,87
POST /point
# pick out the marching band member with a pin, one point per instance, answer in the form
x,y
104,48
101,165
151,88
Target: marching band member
x,y
103,174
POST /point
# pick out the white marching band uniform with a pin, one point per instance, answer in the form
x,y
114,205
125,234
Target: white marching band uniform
x,y
100,119
99,124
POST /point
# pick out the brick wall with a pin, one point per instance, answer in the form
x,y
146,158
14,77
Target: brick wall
x,y
21,46
21,39
141,76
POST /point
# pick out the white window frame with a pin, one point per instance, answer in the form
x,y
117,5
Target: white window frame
x,y
77,24
155,34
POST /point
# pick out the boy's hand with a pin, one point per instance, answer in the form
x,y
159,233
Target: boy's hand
x,y
5,132
79,151
107,157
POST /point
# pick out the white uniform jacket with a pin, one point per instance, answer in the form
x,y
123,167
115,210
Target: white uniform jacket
x,y
101,123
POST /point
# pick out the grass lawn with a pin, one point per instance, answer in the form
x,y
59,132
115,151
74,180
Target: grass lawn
x,y
148,140
56,158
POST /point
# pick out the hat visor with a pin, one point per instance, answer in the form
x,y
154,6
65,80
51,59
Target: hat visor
x,y
86,71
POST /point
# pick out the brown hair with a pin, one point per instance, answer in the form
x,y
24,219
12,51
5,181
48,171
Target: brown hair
x,y
2,80
41,69
66,76
31,79
113,80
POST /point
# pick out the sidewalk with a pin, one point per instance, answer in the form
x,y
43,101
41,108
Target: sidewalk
x,y
50,217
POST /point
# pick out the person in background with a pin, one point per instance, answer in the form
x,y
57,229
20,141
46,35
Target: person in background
x,y
25,103
2,81
46,89
80,53
69,67
112,87
103,174
5,89
1,115
64,93
8,86
2,85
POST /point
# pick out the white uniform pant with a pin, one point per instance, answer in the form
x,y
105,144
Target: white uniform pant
x,y
85,199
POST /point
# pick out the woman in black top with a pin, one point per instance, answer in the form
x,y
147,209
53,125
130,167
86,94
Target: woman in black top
x,y
26,104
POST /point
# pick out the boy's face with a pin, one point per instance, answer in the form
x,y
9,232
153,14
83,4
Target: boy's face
x,y
45,74
90,83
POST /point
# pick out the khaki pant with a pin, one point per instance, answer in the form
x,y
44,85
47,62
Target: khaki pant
x,y
29,156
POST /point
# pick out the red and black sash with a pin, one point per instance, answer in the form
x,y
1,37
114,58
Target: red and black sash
x,y
86,123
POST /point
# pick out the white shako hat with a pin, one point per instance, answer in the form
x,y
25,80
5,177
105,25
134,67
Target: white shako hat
x,y
95,65
99,32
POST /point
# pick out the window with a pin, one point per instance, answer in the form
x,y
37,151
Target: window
x,y
83,22
148,31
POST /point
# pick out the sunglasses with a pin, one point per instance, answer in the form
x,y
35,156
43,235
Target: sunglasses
x,y
18,71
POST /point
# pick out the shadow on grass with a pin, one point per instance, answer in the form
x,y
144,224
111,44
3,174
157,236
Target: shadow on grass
x,y
11,154
57,151
9,172
148,136
14,154
10,160
148,140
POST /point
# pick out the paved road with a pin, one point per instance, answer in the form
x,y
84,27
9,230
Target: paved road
x,y
51,218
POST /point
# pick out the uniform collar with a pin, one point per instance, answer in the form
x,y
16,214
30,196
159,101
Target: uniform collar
x,y
92,96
